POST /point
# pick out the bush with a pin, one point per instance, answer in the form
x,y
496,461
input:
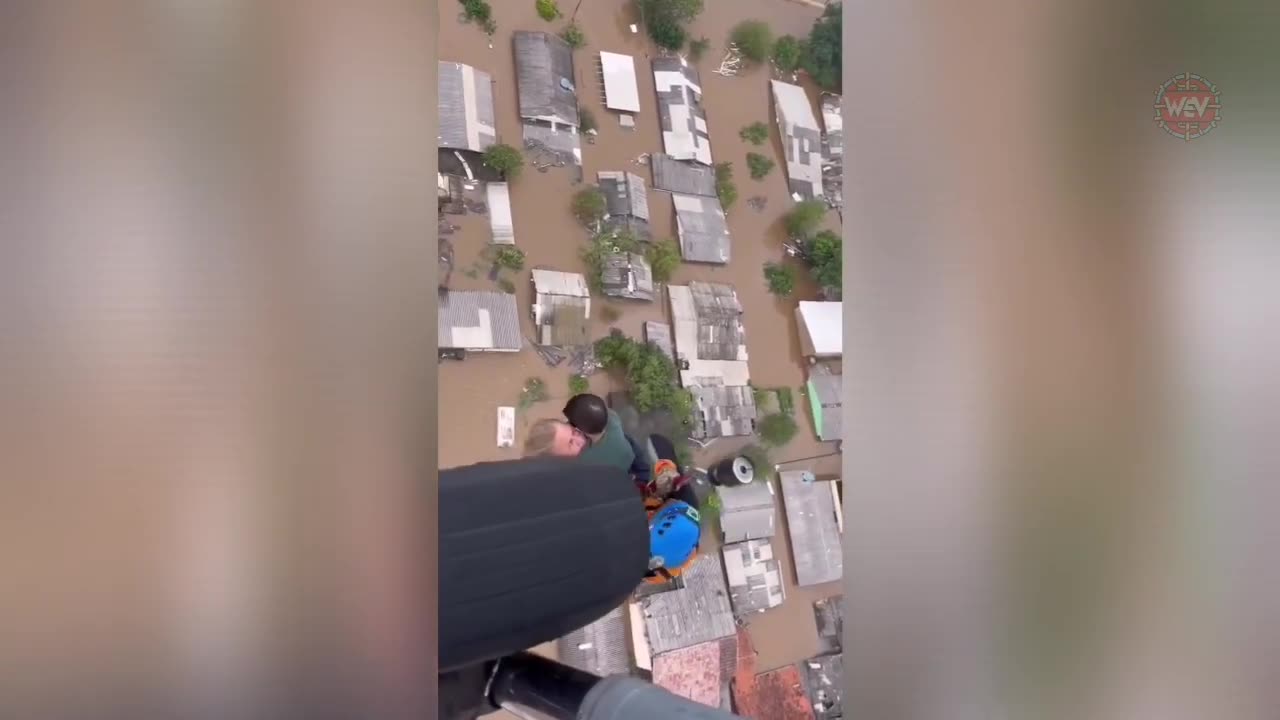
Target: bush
x,y
786,402
573,35
610,314
824,255
651,377
753,39
664,258
506,286
759,165
698,48
505,159
777,429
589,206
781,278
534,391
805,218
477,11
586,120
578,385
756,133
725,189
822,57
600,248
509,257
548,10
667,34
786,53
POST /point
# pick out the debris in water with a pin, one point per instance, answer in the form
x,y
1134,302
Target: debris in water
x,y
758,202
506,426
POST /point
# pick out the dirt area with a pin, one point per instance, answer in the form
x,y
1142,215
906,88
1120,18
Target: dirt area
x,y
471,390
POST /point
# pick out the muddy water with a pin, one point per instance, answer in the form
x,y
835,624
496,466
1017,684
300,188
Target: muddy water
x,y
471,390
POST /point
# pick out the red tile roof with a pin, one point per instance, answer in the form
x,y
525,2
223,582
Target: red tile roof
x,y
692,672
776,695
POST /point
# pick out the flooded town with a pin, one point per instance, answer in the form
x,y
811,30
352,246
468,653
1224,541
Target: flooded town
x,y
619,218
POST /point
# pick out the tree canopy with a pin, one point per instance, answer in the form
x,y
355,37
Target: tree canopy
x,y
824,253
787,52
822,53
805,218
753,39
665,20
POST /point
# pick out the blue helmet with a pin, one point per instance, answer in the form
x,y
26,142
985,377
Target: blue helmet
x,y
674,532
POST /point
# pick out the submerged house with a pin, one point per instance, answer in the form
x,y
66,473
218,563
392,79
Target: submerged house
x,y
825,390
754,575
685,178
478,321
801,140
627,275
561,308
548,97
683,121
697,613
813,524
618,78
467,126
711,355
703,229
747,511
821,329
700,673
833,148
626,203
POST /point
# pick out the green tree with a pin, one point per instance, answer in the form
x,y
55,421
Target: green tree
x,y
753,39
756,133
477,11
822,53
805,218
781,278
651,377
665,20
698,48
725,189
548,10
777,429
509,257
667,33
505,159
786,53
664,258
573,35
759,165
825,254
589,205
578,385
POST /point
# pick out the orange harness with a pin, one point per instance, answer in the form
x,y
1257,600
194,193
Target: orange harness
x,y
652,505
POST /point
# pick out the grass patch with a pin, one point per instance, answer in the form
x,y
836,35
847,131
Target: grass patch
x,y
578,385
533,392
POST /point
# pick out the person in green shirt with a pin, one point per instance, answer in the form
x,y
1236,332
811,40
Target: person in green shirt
x,y
593,433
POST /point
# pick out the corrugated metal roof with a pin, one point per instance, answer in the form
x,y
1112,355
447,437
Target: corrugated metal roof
x,y
704,232
696,614
602,648
478,320
659,334
624,193
466,108
747,512
754,576
500,221
556,282
627,275
811,522
721,335
801,140
620,89
723,411
833,123
824,684
686,330
544,77
693,672
562,320
822,327
683,121
682,177
829,615
826,403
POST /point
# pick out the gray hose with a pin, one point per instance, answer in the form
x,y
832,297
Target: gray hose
x,y
627,698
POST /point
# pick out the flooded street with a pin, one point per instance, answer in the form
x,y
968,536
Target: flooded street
x,y
471,390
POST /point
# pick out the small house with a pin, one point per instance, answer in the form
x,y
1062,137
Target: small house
x,y
821,329
561,308
628,276
703,229
478,321
801,140
618,76
711,356
814,528
466,108
754,575
683,121
626,203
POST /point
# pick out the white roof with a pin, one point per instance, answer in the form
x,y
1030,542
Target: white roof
x,y
793,105
555,282
822,326
499,197
620,89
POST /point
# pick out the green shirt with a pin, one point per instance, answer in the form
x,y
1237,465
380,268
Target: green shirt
x,y
612,448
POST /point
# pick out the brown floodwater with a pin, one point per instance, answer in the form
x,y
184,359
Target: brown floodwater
x,y
471,390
